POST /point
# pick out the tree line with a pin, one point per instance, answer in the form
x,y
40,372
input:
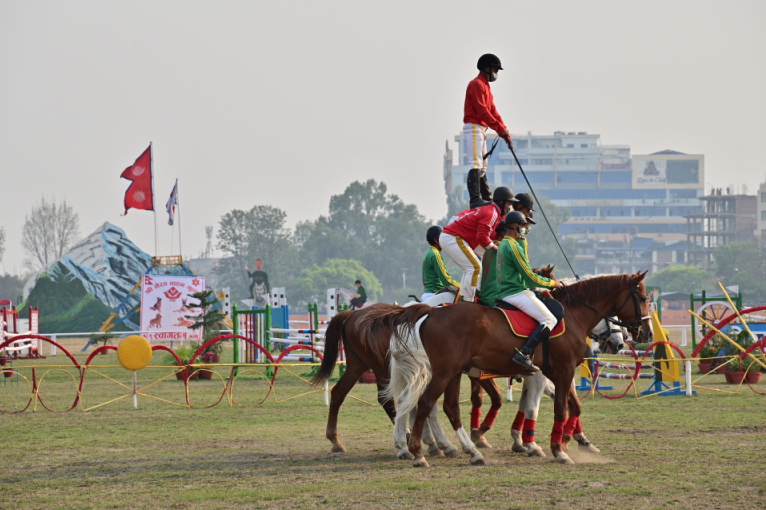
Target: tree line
x,y
367,234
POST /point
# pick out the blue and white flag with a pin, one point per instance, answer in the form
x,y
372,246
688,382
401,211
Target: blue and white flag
x,y
172,203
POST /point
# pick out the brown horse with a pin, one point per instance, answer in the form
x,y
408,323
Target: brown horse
x,y
432,345
359,358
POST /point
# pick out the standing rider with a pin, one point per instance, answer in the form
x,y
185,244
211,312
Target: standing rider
x,y
515,278
469,233
479,114
435,275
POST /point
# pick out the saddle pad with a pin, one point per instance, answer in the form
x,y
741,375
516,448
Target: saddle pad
x,y
522,325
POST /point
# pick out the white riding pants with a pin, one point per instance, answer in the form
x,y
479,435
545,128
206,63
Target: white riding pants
x,y
469,261
527,302
475,146
427,295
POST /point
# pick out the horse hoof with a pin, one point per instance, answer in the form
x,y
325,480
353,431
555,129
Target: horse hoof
x,y
478,461
517,448
420,462
406,455
475,435
563,458
587,446
533,450
408,437
435,451
482,443
339,448
452,453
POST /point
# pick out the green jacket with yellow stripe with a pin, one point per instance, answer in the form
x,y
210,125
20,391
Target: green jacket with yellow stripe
x,y
513,270
435,275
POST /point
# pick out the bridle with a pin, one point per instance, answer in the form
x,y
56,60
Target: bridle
x,y
633,327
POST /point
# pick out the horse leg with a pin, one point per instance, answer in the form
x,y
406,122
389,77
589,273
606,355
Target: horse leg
x,y
523,428
497,402
354,370
401,437
477,398
573,428
429,434
563,382
445,448
426,403
452,410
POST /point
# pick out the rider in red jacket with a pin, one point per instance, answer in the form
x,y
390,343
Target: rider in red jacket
x,y
479,115
470,233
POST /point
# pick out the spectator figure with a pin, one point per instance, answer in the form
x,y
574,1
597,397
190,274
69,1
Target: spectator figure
x,y
360,298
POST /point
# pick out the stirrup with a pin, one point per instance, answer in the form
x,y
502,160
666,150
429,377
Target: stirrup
x,y
523,360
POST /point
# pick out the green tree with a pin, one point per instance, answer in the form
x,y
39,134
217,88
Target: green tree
x,y
679,278
315,280
743,264
257,233
11,287
367,224
543,249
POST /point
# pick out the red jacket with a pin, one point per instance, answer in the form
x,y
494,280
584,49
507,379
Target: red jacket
x,y
480,106
476,226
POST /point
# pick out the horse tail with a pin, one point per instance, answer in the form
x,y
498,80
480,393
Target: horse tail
x,y
383,326
410,369
333,337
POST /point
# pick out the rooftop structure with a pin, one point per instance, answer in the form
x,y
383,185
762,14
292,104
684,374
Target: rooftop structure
x,y
724,219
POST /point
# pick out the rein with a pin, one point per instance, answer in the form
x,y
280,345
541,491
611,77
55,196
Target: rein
x,y
612,319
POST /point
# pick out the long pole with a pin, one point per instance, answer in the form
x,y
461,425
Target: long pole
x,y
154,209
540,205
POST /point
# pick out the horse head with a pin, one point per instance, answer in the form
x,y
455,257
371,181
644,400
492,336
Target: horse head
x,y
546,271
632,308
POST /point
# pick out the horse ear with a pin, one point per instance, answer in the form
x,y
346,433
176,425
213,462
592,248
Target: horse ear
x,y
639,277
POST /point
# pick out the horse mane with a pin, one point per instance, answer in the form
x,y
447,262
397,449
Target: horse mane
x,y
593,288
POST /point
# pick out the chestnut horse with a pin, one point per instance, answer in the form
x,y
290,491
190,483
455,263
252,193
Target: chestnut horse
x,y
359,359
432,345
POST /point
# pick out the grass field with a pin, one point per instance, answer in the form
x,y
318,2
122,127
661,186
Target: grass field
x,y
660,452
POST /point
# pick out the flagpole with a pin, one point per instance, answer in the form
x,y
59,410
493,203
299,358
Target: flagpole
x,y
154,209
178,204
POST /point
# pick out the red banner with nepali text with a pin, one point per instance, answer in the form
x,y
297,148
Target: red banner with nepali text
x,y
166,306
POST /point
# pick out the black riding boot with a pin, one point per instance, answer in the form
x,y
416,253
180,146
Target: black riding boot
x,y
486,193
522,356
475,188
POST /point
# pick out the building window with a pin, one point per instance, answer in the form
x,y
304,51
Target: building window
x,y
520,144
570,146
491,177
506,177
763,197
584,145
763,215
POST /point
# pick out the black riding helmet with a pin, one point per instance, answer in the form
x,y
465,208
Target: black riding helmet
x,y
503,193
488,60
433,233
514,217
525,200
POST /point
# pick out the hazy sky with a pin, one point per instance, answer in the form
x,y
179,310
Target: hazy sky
x,y
286,103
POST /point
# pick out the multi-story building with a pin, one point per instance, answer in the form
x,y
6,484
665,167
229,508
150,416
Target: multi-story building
x,y
724,218
761,212
612,196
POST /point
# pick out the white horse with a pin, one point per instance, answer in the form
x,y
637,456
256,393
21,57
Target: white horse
x,y
537,385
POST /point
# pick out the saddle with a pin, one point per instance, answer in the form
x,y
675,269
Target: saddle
x,y
522,324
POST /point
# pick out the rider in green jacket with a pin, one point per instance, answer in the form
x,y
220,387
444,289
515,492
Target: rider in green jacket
x,y
515,277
